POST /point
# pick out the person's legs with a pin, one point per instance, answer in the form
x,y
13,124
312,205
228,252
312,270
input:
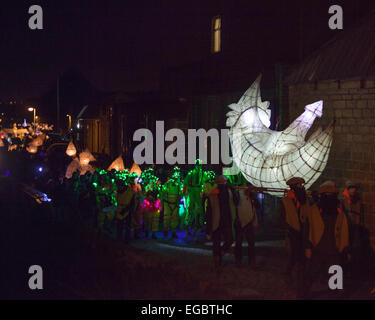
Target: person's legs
x,y
305,283
208,219
147,222
292,259
120,228
101,217
228,239
155,223
250,237
354,263
216,238
239,239
201,217
167,219
195,209
174,221
128,220
193,217
137,221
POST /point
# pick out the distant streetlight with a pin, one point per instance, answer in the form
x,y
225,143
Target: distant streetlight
x,y
70,121
33,109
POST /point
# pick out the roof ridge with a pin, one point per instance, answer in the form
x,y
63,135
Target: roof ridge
x,y
363,23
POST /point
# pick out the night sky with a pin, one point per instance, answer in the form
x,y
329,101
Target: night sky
x,y
123,45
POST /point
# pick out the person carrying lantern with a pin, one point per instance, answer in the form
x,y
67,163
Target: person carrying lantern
x,y
352,206
171,192
245,223
294,210
151,204
326,240
193,187
209,185
222,215
246,204
105,201
126,202
137,217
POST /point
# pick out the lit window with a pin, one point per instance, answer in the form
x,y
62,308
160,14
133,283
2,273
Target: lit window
x,y
216,34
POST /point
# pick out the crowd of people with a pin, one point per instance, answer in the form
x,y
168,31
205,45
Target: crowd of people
x,y
322,229
24,136
201,204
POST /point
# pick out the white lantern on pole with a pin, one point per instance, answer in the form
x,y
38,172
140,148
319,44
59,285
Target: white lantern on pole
x,y
32,148
71,150
72,167
85,157
268,158
135,168
117,164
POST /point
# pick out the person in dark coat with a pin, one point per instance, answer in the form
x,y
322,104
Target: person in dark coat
x,y
245,223
326,238
222,210
293,211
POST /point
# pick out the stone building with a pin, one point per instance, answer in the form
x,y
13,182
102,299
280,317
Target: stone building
x,y
342,74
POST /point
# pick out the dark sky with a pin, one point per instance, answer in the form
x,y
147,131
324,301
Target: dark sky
x,y
121,45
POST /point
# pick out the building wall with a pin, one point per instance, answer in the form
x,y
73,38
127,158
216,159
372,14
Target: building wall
x,y
352,104
96,135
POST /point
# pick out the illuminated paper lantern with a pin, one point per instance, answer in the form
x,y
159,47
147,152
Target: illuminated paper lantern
x,y
117,164
1,143
22,132
72,167
85,157
32,148
15,130
269,158
71,150
39,140
135,168
86,168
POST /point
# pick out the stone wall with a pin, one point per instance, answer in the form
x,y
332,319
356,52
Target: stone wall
x,y
352,104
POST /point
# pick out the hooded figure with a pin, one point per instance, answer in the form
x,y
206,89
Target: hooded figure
x,y
353,208
172,191
193,187
223,214
151,206
246,221
326,239
126,203
210,203
293,212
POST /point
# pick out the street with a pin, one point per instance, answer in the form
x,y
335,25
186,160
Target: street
x,y
145,269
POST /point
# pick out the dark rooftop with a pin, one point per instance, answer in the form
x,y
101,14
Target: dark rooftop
x,y
349,55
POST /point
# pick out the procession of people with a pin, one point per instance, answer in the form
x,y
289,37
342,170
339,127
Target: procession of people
x,y
323,228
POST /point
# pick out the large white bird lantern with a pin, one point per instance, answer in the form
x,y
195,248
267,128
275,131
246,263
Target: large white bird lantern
x,y
268,158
